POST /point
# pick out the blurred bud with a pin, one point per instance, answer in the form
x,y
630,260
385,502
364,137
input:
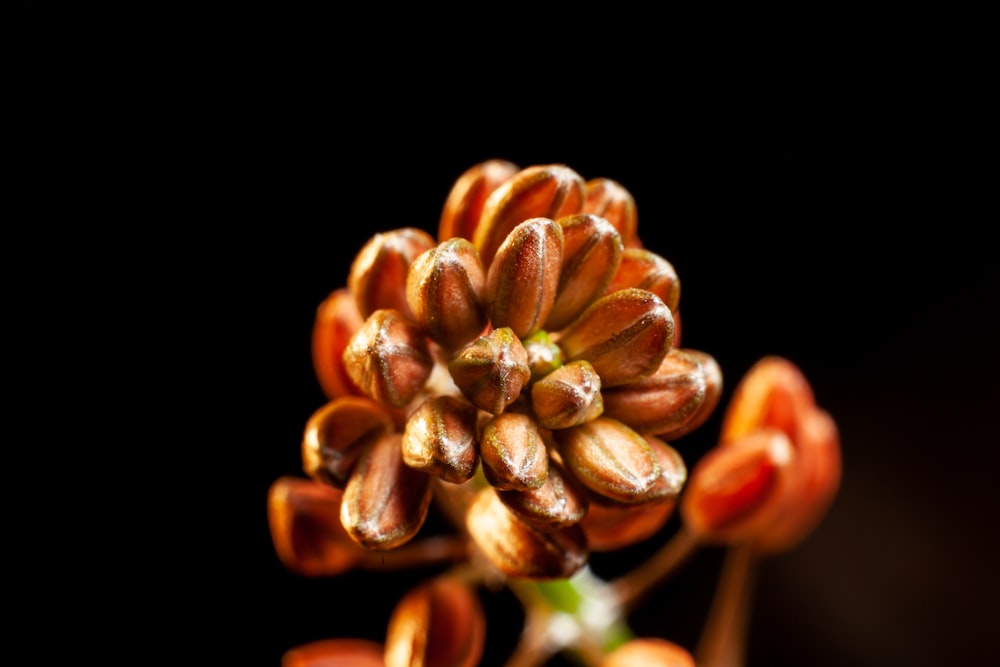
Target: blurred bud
x,y
440,438
304,520
464,205
385,501
815,480
377,278
337,319
336,434
561,501
774,393
438,623
625,335
610,200
444,290
592,249
736,490
518,549
491,371
541,191
513,452
609,458
523,277
343,652
388,358
663,401
646,270
648,652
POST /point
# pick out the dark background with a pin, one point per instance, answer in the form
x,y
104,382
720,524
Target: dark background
x,y
833,226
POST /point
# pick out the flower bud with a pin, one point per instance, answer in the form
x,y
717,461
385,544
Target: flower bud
x,y
713,391
592,249
544,356
438,623
520,550
648,652
813,484
492,370
523,278
625,335
610,200
609,458
663,401
444,290
388,358
646,270
568,396
440,438
547,191
561,501
736,490
385,501
305,530
337,319
513,452
774,392
378,273
336,434
611,525
464,205
340,652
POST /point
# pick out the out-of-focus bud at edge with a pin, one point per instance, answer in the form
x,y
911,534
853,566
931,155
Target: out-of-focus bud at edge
x,y
344,652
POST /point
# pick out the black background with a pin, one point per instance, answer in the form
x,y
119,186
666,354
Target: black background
x,y
828,221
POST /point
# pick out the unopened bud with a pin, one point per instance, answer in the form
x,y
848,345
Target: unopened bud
x,y
389,358
377,278
646,270
592,249
337,319
561,501
339,652
513,452
649,652
610,458
440,438
492,370
568,396
464,205
610,200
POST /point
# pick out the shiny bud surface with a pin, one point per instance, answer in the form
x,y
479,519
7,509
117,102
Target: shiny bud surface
x,y
646,270
513,453
464,204
592,249
440,438
388,358
609,458
377,277
337,319
610,200
568,396
336,434
340,652
492,370
561,501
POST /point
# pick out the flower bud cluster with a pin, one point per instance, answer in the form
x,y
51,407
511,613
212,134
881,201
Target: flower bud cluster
x,y
525,362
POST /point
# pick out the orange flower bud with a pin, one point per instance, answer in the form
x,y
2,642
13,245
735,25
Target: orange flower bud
x,y
337,319
568,396
440,438
592,249
343,652
389,358
464,205
774,393
336,434
610,200
492,370
646,270
439,623
561,501
649,652
736,490
513,452
378,273
546,191
609,458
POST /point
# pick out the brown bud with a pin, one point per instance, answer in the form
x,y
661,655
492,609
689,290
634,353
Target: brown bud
x,y
609,458
337,319
813,484
625,335
523,278
513,452
663,401
385,501
492,370
713,391
336,434
444,290
649,652
547,191
561,501
516,548
544,356
303,518
592,249
388,358
378,273
612,525
438,623
646,270
611,201
568,396
340,652
736,490
465,201
440,439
